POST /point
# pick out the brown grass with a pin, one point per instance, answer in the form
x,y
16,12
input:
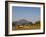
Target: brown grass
x,y
25,27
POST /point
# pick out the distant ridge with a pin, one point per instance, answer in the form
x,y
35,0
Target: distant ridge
x,y
20,22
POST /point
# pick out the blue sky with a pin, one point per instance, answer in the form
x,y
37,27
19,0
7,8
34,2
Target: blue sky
x,y
29,13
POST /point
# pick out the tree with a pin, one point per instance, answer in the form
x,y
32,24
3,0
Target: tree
x,y
23,24
30,23
38,22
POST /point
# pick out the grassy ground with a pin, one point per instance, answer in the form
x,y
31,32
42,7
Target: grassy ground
x,y
26,27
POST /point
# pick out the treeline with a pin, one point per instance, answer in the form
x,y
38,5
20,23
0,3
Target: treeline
x,y
30,23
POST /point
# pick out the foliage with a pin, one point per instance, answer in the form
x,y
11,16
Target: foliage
x,y
38,22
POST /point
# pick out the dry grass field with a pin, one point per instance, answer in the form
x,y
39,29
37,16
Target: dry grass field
x,y
26,27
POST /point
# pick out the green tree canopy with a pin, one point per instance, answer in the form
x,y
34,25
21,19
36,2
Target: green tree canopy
x,y
38,22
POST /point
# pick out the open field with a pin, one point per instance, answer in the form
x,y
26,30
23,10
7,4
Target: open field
x,y
26,27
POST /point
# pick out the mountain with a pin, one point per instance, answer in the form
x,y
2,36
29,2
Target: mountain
x,y
22,21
